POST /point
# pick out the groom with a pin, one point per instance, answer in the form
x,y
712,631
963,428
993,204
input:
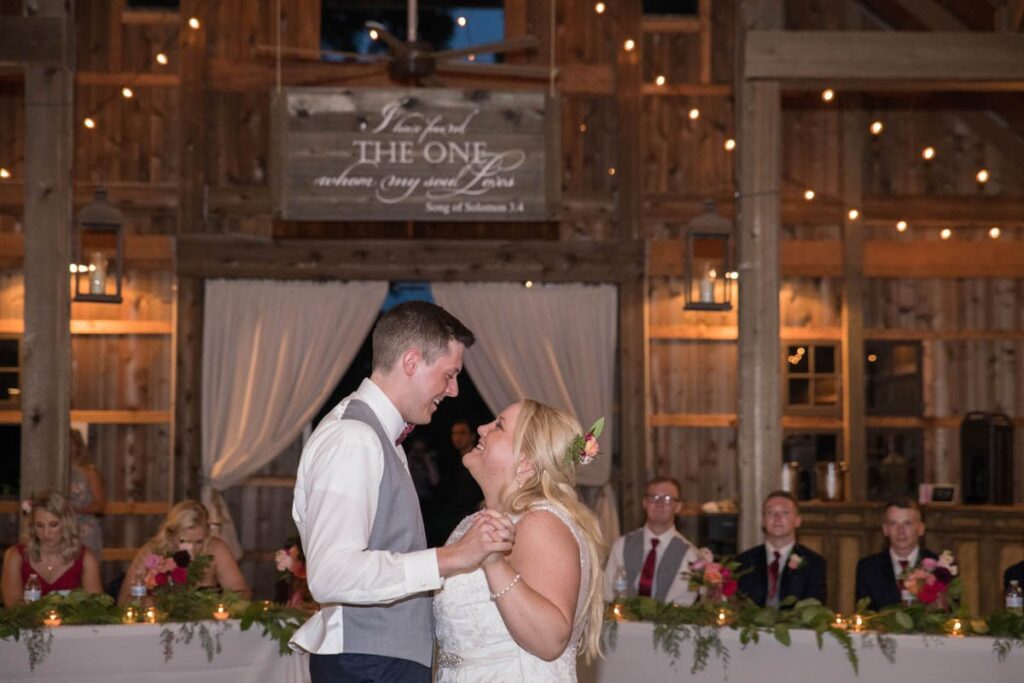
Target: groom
x,y
358,515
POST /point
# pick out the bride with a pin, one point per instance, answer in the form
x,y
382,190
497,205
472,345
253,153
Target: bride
x,y
525,616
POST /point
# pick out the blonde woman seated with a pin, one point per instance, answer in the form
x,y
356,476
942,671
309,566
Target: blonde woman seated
x,y
187,527
51,549
526,616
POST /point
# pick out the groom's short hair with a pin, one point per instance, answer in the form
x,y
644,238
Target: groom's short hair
x,y
416,324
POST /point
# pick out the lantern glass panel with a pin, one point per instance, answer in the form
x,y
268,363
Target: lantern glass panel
x,y
709,255
98,259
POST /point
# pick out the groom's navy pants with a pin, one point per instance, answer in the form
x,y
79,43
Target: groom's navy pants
x,y
356,668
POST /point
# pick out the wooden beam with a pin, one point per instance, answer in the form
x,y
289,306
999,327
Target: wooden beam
x,y
759,161
188,354
708,89
670,24
138,17
1015,15
854,435
135,80
107,417
847,58
932,14
483,260
634,398
36,40
809,422
629,119
98,327
705,51
882,259
113,507
192,109
138,249
728,333
46,344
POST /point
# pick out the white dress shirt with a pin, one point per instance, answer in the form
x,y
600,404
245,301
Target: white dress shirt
x,y
336,490
897,570
679,592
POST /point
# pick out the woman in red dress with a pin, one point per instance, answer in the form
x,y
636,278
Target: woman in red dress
x,y
51,549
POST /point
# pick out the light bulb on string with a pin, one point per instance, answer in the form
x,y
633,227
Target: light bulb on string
x,y
583,128
629,45
982,176
660,80
374,35
694,114
994,232
729,145
193,23
928,153
611,170
853,214
876,128
461,21
599,8
4,173
808,194
88,122
161,59
127,93
901,226
946,233
828,94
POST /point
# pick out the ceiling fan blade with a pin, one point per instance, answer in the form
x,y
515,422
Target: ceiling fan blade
x,y
510,45
539,73
398,48
308,54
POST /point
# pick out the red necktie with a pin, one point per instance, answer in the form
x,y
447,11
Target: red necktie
x,y
405,432
647,574
773,575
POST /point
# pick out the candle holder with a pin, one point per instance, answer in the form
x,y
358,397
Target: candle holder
x,y
221,613
956,628
858,623
723,617
150,615
839,622
52,618
617,612
130,616
267,605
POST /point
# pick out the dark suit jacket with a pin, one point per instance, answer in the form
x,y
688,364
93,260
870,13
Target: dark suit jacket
x,y
875,578
807,581
1014,573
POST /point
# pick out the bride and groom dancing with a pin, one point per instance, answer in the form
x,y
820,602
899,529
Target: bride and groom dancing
x,y
517,588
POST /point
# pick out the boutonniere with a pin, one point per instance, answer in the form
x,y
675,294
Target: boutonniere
x,y
794,562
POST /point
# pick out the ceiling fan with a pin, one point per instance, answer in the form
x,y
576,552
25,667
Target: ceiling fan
x,y
416,62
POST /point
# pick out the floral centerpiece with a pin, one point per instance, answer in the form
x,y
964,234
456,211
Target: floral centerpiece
x,y
934,582
164,570
715,580
291,571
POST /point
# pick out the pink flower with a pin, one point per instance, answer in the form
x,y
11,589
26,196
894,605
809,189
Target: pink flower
x,y
26,507
705,555
590,446
283,561
929,563
152,562
712,575
794,562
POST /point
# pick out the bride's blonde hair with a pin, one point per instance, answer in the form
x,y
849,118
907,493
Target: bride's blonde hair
x,y
542,436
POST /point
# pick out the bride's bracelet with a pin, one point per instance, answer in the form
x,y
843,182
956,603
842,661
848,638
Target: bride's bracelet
x,y
506,589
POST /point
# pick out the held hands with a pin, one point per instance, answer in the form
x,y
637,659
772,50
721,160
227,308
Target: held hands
x,y
488,539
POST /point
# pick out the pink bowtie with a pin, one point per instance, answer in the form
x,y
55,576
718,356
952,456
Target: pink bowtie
x,y
405,432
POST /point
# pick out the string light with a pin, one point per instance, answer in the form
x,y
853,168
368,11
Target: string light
x,y
161,58
127,93
471,58
374,35
872,358
946,233
994,232
901,226
611,170
729,145
660,80
928,153
828,94
694,114
854,214
877,128
4,173
461,21
194,23
528,284
88,122
583,128
629,44
982,176
808,194
599,8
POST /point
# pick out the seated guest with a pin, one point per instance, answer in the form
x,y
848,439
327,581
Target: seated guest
x,y
654,556
1014,573
86,492
878,574
187,527
781,567
51,549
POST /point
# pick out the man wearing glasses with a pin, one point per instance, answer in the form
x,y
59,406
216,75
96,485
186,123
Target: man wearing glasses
x,y
781,567
649,561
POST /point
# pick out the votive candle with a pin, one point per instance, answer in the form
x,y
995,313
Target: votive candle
x,y
52,618
130,616
221,613
151,615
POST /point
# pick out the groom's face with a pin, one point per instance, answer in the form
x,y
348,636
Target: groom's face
x,y
431,383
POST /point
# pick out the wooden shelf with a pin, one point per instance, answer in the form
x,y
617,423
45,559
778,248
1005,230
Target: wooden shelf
x,y
811,334
812,422
104,327
113,507
112,417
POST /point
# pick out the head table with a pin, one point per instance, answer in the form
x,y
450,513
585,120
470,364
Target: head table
x,y
132,653
918,659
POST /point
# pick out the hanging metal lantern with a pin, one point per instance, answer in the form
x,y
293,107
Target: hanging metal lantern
x,y
98,251
709,265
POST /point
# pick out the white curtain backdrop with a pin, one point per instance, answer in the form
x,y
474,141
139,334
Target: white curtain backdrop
x,y
272,353
553,343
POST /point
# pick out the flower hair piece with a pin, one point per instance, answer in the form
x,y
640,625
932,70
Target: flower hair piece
x,y
584,447
26,507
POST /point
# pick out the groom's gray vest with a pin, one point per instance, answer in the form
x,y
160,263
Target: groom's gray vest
x,y
634,553
402,629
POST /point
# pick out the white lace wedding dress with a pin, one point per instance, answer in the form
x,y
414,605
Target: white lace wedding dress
x,y
474,643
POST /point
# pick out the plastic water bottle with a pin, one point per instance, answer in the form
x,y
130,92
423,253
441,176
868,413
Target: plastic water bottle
x,y
1015,598
138,588
33,591
619,585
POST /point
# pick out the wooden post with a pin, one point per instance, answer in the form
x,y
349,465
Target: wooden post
x,y
188,353
852,318
46,344
759,153
633,347
192,104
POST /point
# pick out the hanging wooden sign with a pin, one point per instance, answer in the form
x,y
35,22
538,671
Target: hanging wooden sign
x,y
414,154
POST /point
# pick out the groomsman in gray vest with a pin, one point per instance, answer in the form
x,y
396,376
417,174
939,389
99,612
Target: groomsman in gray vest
x,y
653,557
357,512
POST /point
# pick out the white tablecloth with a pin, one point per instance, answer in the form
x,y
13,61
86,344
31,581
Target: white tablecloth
x,y
133,653
918,660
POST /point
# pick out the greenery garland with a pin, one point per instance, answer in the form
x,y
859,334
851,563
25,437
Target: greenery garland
x,y
190,608
701,623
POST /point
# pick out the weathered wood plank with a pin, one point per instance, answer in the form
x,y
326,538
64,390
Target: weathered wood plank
x,y
37,40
